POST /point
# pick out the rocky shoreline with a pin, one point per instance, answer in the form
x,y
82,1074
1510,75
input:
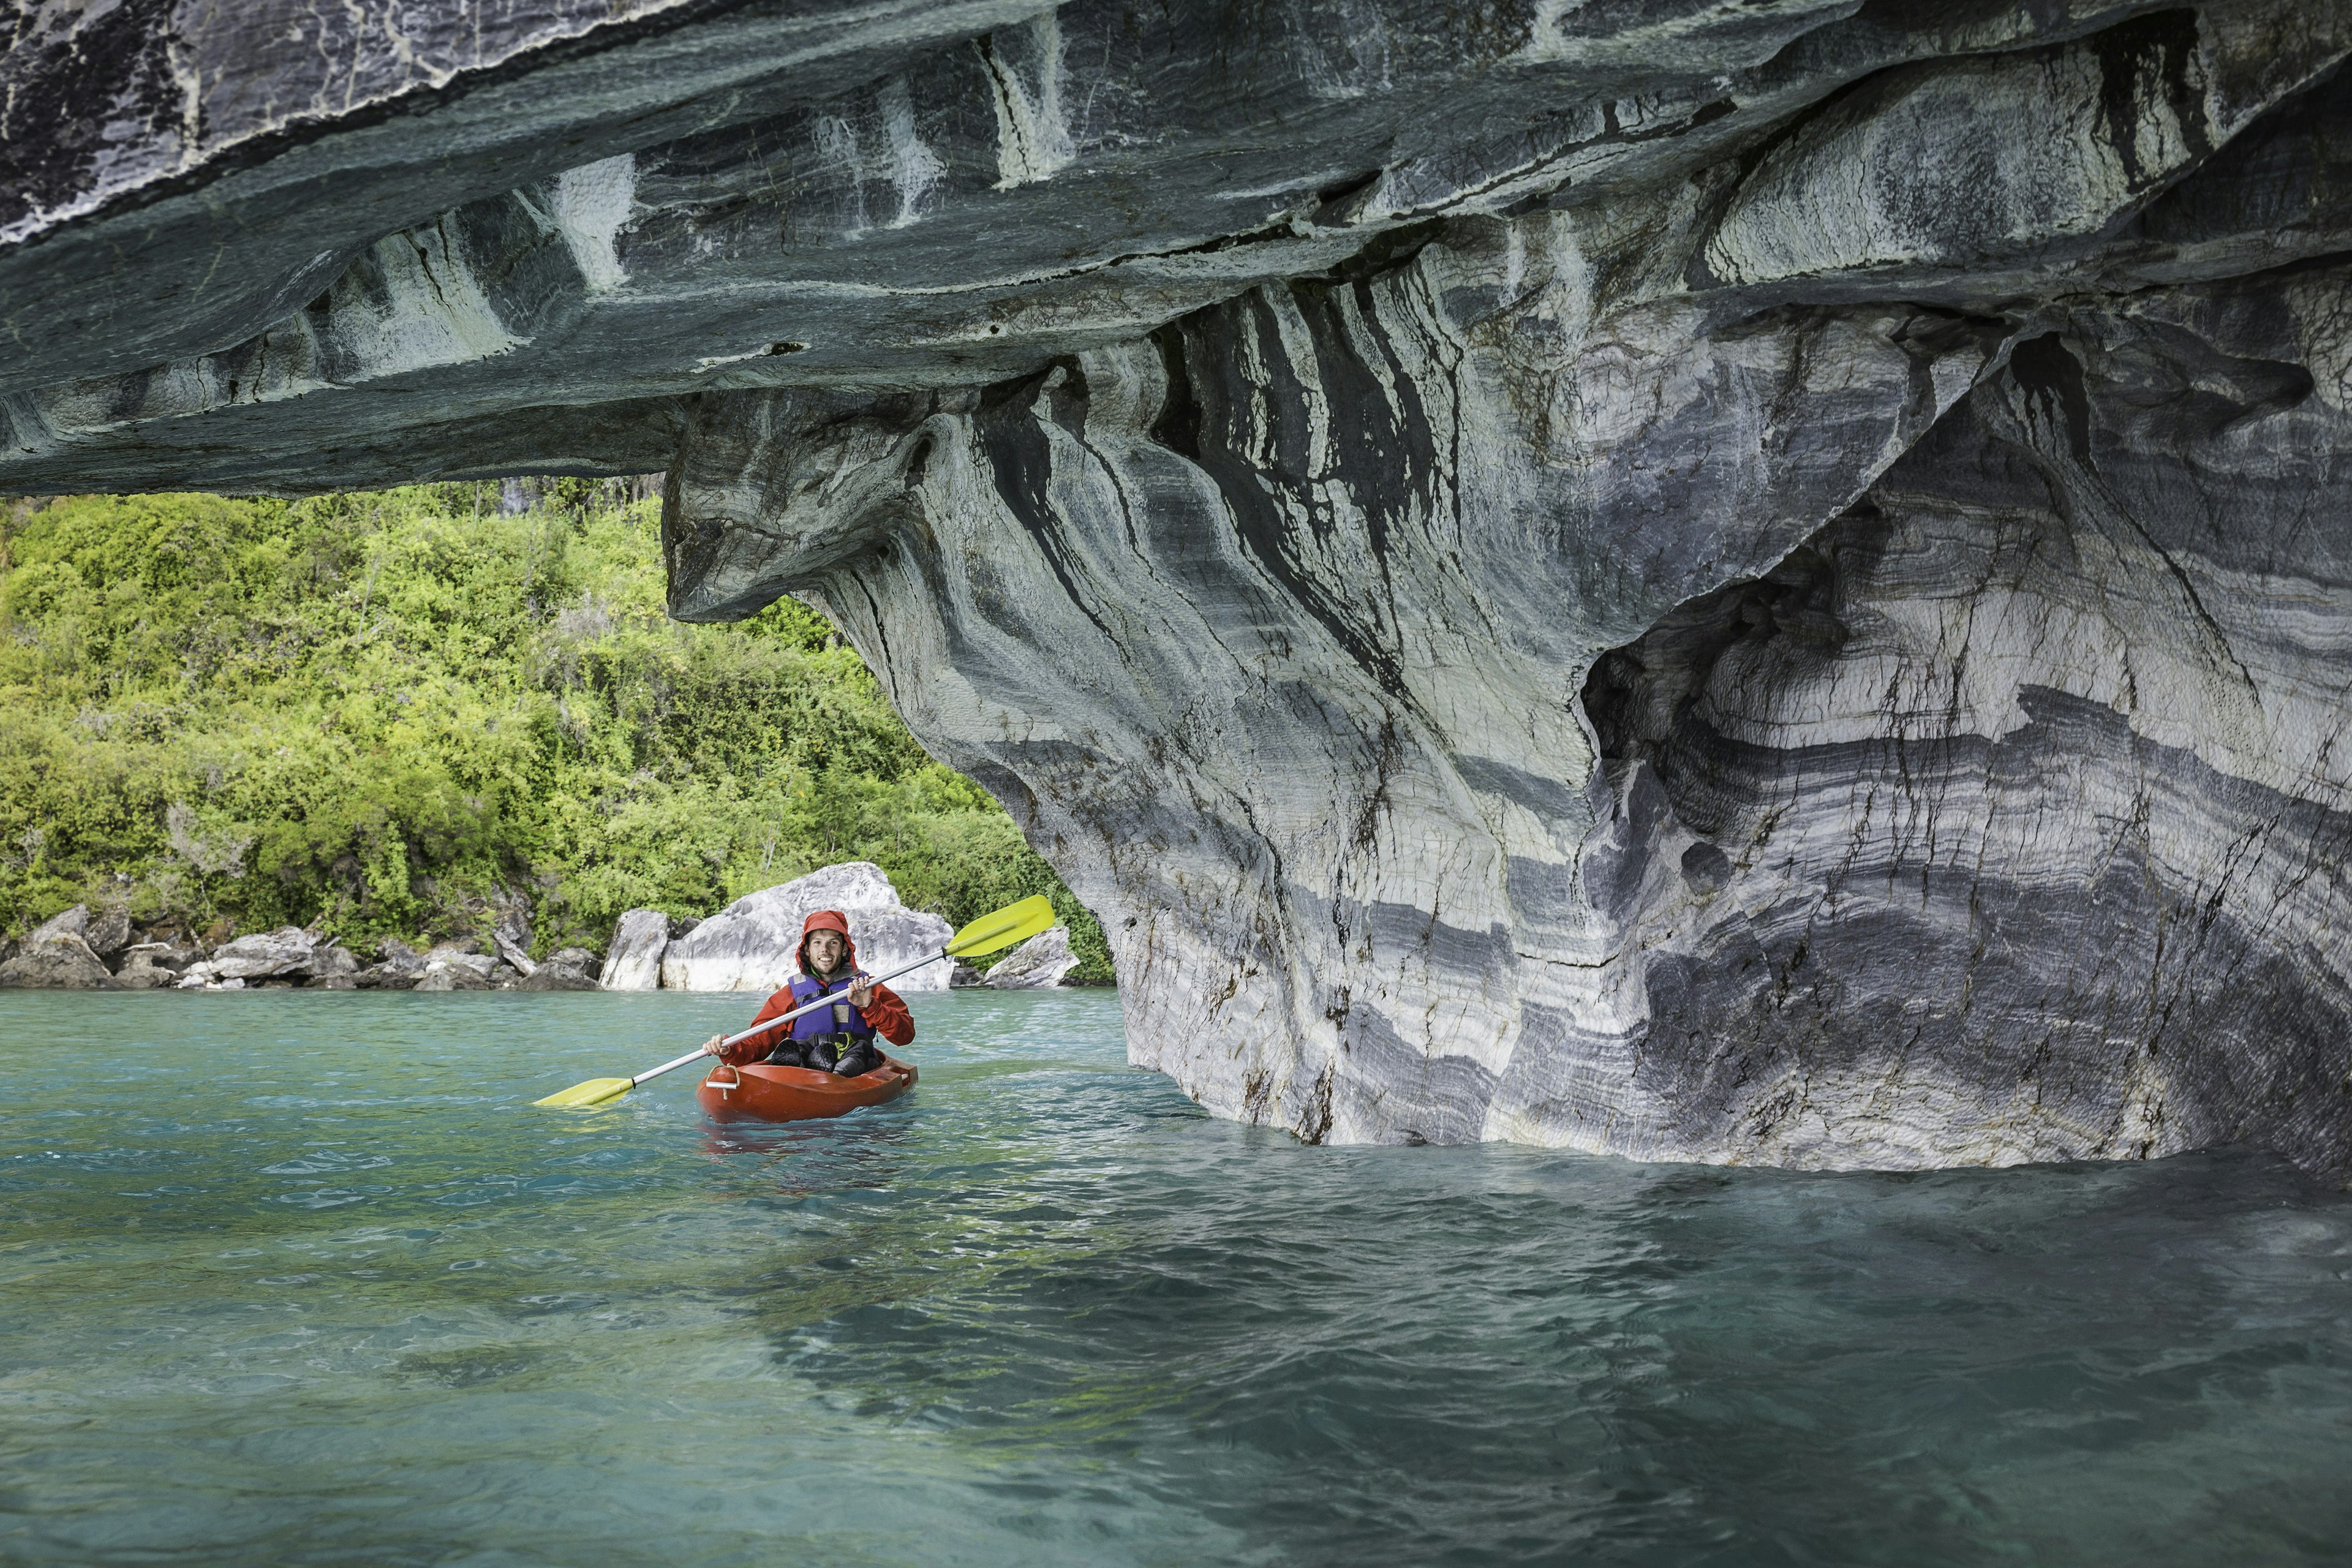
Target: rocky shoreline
x,y
748,946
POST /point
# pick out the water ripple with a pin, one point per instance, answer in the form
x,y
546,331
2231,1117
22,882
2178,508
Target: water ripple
x,y
356,1302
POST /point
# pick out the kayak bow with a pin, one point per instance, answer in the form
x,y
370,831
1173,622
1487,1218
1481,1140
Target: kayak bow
x,y
764,1091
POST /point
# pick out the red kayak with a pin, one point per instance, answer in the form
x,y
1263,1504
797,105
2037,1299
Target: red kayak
x,y
764,1092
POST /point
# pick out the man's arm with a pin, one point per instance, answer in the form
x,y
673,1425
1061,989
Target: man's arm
x,y
889,1017
757,1047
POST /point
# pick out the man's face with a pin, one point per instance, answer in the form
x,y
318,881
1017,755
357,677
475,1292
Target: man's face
x,y
824,951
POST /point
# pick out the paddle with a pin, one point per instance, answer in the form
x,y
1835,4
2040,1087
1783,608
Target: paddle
x,y
1014,922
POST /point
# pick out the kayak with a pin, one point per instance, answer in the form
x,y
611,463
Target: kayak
x,y
762,1091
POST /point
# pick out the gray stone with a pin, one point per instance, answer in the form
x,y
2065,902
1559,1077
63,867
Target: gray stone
x,y
72,923
333,960
332,982
109,931
1036,965
172,956
153,965
567,969
633,962
548,977
1694,579
449,972
510,931
262,956
63,964
753,943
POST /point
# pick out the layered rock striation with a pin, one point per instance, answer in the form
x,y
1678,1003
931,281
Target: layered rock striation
x,y
1704,581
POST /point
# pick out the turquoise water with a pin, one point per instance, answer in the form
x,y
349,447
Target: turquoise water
x,y
296,1278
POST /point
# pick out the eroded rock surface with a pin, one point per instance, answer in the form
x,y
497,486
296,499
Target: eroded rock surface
x,y
1702,580
1037,965
634,961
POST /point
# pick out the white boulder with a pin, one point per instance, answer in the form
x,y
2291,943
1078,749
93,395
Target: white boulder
x,y
634,961
1039,962
753,943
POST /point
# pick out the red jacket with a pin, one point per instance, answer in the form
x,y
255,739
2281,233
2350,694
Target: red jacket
x,y
886,1012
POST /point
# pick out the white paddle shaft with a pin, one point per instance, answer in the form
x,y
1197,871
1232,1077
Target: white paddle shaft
x,y
761,1029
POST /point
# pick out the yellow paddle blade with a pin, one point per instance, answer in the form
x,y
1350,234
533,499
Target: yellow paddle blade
x,y
596,1091
1014,922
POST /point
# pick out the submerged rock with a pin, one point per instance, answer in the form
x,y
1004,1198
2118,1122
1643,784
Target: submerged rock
x,y
1701,580
548,978
632,963
1036,965
452,977
753,943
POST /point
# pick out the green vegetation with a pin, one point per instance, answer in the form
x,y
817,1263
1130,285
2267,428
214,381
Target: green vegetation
x,y
380,712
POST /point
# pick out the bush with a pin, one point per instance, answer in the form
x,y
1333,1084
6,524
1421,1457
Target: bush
x,y
382,711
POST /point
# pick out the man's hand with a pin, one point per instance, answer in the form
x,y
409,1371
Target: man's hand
x,y
711,1046
861,992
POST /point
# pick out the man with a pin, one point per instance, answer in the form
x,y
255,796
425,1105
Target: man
x,y
836,1039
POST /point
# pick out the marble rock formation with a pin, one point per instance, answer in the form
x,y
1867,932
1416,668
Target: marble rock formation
x,y
1034,965
1730,580
753,943
634,961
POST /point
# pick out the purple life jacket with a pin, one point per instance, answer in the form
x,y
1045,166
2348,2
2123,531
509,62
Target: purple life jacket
x,y
828,1023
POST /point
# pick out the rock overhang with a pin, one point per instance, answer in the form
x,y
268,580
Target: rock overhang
x,y
1621,577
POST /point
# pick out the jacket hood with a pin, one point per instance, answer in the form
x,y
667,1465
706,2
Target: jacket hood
x,y
825,920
